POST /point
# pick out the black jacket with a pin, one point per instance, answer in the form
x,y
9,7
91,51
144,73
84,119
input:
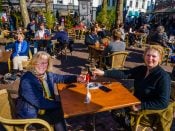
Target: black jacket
x,y
153,91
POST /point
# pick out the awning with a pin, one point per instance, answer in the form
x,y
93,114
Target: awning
x,y
165,10
63,13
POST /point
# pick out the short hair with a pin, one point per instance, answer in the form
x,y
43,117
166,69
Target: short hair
x,y
116,34
160,29
39,55
158,48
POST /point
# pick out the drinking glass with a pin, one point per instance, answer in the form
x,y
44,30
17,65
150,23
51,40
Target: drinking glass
x,y
84,72
92,68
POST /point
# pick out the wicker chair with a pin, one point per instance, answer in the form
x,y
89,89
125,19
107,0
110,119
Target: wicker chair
x,y
7,114
159,120
167,53
25,63
116,60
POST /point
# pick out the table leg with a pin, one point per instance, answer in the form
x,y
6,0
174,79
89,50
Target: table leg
x,y
94,122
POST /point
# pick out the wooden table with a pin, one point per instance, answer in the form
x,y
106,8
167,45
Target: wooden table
x,y
5,41
95,52
41,44
5,56
73,96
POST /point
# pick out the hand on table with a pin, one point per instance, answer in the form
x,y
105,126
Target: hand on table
x,y
136,107
98,72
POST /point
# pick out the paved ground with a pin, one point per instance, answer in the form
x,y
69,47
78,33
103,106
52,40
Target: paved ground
x,y
73,65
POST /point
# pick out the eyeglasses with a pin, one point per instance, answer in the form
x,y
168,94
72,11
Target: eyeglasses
x,y
41,64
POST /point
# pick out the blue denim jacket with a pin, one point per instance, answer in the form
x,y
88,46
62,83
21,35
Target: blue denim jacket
x,y
31,97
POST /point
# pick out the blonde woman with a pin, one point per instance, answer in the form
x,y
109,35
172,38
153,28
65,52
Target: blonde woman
x,y
36,92
151,83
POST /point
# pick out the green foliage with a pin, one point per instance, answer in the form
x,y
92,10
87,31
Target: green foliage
x,y
106,17
102,15
0,5
18,18
50,19
69,21
111,17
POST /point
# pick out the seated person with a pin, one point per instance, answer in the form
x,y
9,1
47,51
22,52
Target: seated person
x,y
63,38
92,37
161,36
115,45
103,33
31,27
20,50
37,98
42,35
151,82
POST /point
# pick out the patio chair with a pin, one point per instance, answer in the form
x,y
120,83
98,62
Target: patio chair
x,y
7,121
159,120
71,33
63,49
167,53
26,63
115,60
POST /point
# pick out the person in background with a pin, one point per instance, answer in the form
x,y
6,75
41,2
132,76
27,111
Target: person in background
x,y
42,34
31,27
37,96
92,38
161,36
20,50
151,82
62,37
121,28
115,45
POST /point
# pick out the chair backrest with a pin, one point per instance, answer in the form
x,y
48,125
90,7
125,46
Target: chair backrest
x,y
6,109
118,59
30,54
6,105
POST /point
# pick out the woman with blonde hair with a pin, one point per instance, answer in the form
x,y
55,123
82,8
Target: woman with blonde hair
x,y
37,97
151,81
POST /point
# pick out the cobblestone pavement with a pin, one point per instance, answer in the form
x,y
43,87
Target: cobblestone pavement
x,y
73,65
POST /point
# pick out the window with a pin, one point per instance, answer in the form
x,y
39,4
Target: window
x,y
59,1
137,4
113,2
143,4
70,1
130,3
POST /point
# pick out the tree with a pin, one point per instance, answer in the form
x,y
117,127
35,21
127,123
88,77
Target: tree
x,y
24,12
119,12
102,16
50,19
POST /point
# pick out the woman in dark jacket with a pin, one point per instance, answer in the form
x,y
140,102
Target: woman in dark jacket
x,y
37,97
151,82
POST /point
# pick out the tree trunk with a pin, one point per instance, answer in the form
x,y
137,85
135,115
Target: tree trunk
x,y
119,12
24,12
48,5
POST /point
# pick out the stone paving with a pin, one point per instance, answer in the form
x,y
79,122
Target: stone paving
x,y
73,65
